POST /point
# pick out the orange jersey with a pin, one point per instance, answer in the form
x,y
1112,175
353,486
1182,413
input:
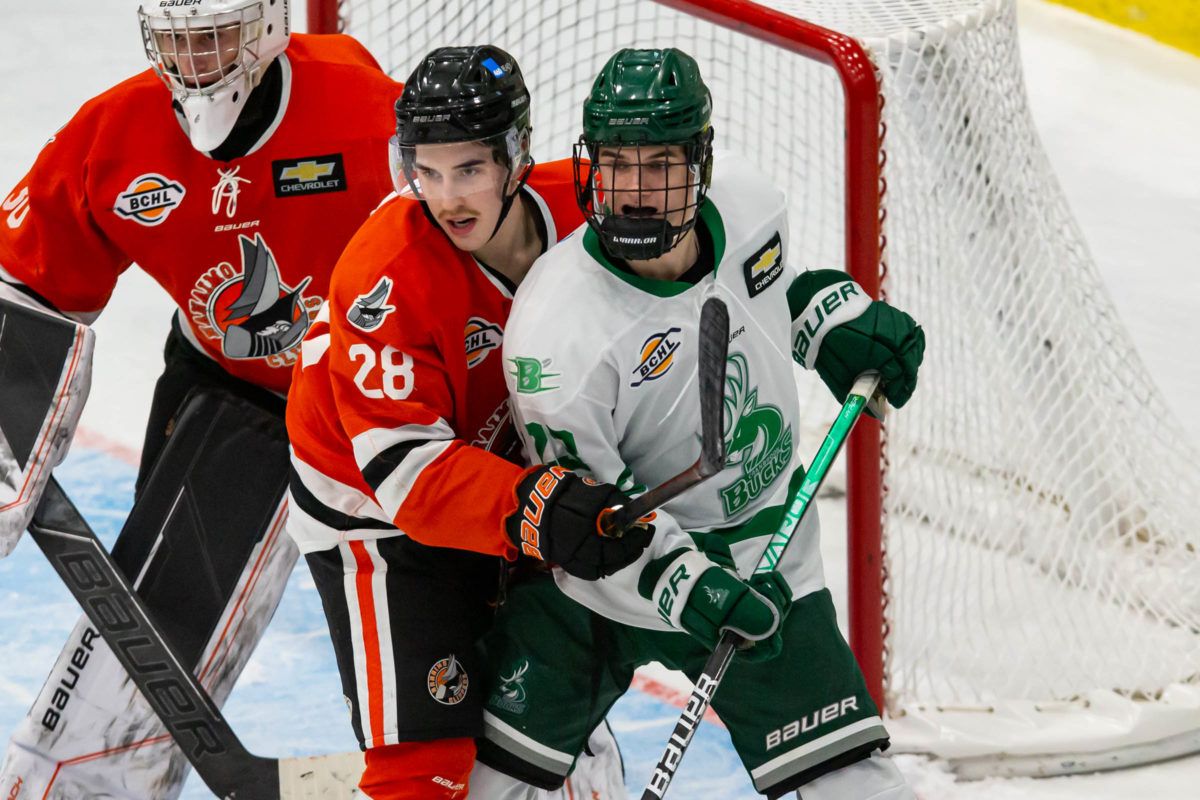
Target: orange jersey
x,y
245,247
398,414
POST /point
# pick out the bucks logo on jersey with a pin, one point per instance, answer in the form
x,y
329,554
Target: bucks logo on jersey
x,y
510,694
756,438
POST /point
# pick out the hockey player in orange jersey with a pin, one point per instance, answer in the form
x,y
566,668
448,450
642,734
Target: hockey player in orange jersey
x,y
407,497
233,171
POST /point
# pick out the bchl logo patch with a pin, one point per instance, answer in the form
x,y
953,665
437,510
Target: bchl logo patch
x,y
481,337
309,175
150,199
370,309
762,268
447,681
657,357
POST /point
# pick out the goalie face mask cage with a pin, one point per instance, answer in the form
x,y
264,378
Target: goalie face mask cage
x,y
211,57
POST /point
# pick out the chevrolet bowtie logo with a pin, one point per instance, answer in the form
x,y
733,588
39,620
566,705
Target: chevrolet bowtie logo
x,y
765,261
307,171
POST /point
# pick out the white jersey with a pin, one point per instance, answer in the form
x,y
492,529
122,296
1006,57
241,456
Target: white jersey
x,y
601,369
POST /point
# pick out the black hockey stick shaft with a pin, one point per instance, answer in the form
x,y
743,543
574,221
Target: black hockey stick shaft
x,y
722,655
185,708
713,349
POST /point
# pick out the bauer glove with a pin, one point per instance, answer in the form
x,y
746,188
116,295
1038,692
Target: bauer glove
x,y
557,521
840,332
702,593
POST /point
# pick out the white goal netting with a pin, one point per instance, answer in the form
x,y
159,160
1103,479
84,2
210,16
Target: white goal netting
x,y
1040,505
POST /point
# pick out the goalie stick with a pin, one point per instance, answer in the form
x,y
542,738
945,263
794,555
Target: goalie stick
x,y
710,368
714,669
186,710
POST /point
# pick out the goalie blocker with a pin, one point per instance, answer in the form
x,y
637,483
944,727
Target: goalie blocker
x,y
206,535
45,374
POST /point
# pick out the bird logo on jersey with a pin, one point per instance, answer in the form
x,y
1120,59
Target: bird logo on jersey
x,y
150,199
755,438
447,681
368,310
658,355
252,312
481,337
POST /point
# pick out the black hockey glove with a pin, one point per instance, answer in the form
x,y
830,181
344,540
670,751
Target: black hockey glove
x,y
556,521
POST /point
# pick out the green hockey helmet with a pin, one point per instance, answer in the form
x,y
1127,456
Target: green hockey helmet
x,y
649,110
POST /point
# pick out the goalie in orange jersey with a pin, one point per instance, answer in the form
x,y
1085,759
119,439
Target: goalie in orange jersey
x,y
233,171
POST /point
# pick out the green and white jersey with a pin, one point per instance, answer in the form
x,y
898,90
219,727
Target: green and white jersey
x,y
601,370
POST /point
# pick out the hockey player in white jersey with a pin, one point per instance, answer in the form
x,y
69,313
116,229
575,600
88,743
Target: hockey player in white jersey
x,y
601,350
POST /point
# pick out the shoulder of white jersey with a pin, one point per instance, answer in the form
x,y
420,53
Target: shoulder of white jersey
x,y
743,192
554,276
562,318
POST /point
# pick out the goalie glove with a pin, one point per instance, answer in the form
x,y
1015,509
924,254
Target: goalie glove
x,y
841,333
701,593
45,374
557,520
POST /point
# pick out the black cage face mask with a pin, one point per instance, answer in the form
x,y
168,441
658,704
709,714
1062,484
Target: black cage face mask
x,y
641,198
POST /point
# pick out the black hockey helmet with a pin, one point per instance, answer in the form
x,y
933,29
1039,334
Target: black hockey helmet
x,y
462,94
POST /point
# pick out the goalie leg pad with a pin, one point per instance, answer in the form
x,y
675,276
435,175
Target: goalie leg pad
x,y
872,778
45,375
206,550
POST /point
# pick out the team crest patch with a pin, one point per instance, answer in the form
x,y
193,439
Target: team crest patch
x,y
447,681
531,375
481,337
765,266
657,357
309,175
510,694
250,311
150,199
369,310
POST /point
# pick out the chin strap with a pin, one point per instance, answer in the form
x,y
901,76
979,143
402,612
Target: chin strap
x,y
508,201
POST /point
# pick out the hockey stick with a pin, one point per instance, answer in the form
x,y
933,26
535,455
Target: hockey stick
x,y
186,710
714,669
713,345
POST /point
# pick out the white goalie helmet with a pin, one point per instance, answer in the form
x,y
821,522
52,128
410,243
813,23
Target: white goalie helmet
x,y
211,54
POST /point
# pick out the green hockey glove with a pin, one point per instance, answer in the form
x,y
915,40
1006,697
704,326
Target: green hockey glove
x,y
841,333
699,592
